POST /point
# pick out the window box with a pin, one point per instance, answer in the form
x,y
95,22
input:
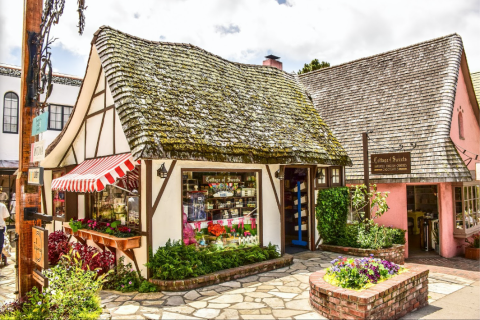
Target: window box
x,y
103,239
466,202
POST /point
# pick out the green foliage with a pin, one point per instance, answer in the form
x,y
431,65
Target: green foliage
x,y
76,225
123,277
72,294
378,201
371,235
146,286
314,65
177,261
474,242
331,212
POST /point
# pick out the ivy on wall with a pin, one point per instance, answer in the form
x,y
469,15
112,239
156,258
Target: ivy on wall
x,y
331,212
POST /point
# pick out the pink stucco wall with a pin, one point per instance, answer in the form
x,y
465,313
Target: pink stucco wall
x,y
470,124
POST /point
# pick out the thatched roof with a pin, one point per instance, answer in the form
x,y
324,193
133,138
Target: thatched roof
x,y
178,101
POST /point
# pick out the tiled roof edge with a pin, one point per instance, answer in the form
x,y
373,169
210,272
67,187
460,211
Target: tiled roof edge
x,y
192,46
57,78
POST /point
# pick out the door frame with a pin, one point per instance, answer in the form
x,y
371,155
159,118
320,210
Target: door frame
x,y
311,221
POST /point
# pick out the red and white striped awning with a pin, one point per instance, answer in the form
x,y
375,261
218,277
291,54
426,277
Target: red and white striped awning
x,y
93,175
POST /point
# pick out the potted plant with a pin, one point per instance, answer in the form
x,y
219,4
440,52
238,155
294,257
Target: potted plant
x,y
472,251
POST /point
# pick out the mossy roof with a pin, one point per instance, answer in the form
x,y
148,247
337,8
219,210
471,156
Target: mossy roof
x,y
179,101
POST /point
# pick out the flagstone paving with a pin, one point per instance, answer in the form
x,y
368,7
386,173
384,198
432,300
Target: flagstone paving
x,y
278,294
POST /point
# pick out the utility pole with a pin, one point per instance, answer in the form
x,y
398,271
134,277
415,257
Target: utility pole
x,y
32,18
366,174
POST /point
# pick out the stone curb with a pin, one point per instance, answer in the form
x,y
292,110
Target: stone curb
x,y
223,275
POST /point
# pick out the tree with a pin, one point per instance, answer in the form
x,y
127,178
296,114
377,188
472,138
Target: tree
x,y
314,65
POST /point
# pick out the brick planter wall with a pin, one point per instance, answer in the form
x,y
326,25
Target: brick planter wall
x,y
394,254
223,275
391,299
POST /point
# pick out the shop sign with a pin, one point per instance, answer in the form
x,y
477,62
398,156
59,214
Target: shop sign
x,y
38,151
391,163
477,171
35,176
40,246
40,278
222,179
40,123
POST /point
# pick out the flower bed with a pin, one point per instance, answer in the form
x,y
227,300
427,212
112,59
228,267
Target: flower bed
x,y
360,273
395,254
223,275
390,299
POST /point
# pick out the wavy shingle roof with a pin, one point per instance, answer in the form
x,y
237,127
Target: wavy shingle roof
x,y
405,96
179,101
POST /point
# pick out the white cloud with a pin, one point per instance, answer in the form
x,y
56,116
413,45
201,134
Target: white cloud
x,y
301,30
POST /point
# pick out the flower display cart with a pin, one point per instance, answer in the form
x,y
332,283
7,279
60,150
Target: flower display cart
x,y
103,240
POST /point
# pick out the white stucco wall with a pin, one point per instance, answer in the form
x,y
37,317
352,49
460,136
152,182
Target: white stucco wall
x,y
61,94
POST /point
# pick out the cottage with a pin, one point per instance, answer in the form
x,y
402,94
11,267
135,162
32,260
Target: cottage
x,y
418,97
170,139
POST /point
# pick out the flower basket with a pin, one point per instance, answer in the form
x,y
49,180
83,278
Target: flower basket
x,y
472,253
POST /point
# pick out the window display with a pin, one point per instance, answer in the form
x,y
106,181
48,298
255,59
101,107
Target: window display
x,y
58,199
220,208
467,212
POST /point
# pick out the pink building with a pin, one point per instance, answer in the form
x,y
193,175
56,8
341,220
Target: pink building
x,y
421,96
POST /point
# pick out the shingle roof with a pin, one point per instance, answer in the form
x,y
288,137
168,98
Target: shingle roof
x,y
179,101
404,96
476,84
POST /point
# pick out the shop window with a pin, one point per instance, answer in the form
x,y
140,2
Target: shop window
x,y
467,212
221,208
321,178
336,176
58,116
461,134
118,202
10,113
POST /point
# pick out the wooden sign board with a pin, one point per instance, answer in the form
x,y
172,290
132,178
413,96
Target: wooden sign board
x,y
40,246
40,278
221,179
391,163
38,151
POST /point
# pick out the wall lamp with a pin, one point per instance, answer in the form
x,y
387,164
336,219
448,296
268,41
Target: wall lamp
x,y
162,171
320,174
280,174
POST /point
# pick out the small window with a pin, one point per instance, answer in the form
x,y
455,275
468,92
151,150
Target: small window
x,y
10,113
460,125
335,175
58,116
321,178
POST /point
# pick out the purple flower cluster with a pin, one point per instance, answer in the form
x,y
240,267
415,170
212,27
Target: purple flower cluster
x,y
356,273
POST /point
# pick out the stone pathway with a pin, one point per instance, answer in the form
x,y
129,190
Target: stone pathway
x,y
279,294
457,266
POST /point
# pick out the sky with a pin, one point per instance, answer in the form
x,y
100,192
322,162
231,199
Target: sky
x,y
246,31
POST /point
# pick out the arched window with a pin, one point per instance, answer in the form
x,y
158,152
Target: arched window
x,y
10,113
460,125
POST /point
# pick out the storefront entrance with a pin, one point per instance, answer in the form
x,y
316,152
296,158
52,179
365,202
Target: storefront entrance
x,y
297,209
423,220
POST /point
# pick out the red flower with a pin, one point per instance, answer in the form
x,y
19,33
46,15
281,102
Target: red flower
x,y
216,229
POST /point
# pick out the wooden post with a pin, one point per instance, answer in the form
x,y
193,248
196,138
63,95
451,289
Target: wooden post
x,y
366,174
31,24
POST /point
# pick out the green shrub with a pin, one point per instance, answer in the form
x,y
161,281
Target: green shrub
x,y
146,286
178,261
331,212
371,235
123,278
72,293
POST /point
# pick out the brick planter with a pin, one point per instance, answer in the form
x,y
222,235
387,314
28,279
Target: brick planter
x,y
223,275
391,299
394,254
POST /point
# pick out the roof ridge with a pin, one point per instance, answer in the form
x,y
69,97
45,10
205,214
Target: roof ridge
x,y
95,36
419,44
56,74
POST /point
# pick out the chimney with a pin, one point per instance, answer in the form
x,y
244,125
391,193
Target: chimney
x,y
272,61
